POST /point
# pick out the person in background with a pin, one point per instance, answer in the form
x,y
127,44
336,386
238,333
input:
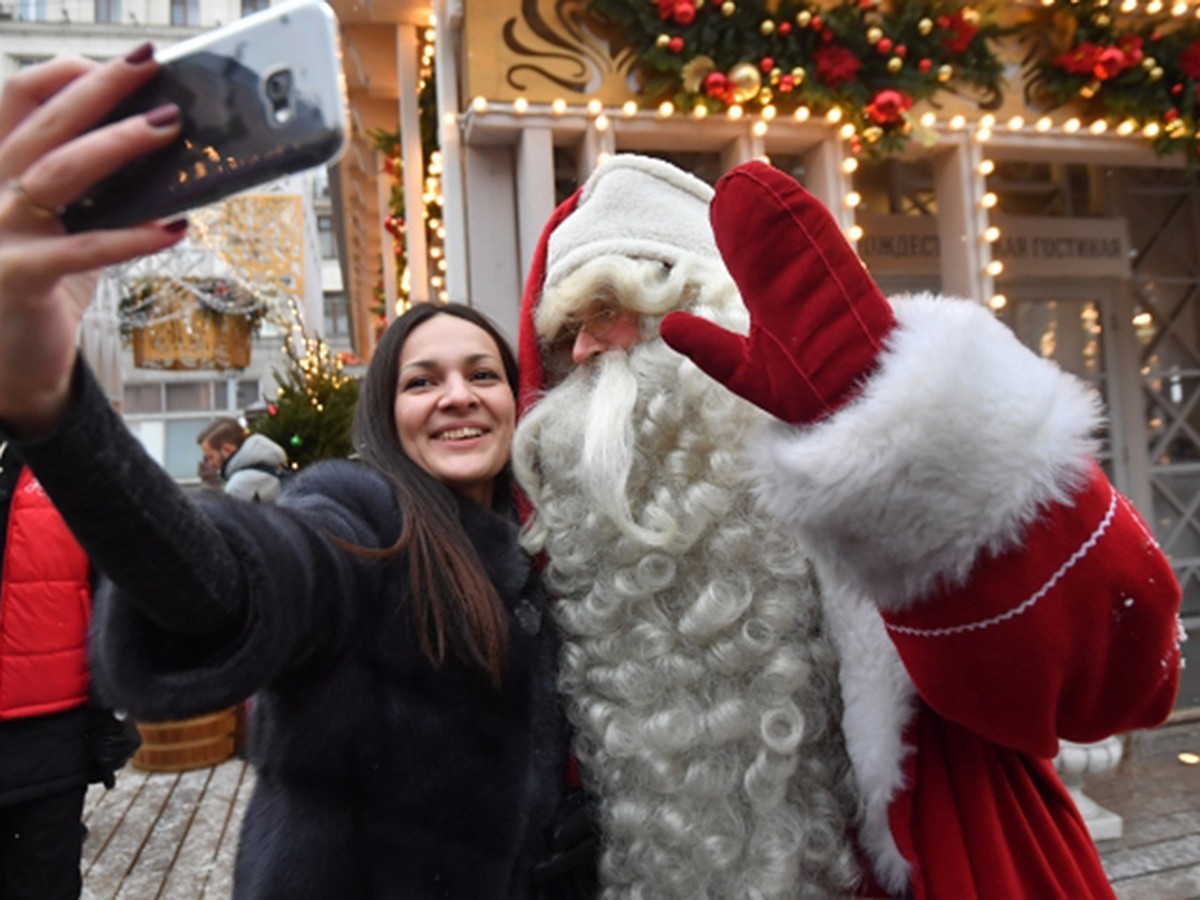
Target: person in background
x,y
250,465
834,573
54,738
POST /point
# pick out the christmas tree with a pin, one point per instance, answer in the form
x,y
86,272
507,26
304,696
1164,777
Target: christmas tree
x,y
311,414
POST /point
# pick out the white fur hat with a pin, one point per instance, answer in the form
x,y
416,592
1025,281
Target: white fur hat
x,y
636,207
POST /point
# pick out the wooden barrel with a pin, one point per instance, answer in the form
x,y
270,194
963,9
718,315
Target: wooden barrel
x,y
185,744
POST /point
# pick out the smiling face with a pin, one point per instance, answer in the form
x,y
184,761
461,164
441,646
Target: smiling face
x,y
454,407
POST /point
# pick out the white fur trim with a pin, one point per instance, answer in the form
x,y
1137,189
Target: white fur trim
x,y
956,441
878,700
637,207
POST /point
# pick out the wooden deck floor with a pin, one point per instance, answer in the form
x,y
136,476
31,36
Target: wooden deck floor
x,y
169,836
174,836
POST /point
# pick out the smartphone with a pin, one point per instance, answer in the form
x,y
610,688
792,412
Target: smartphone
x,y
260,98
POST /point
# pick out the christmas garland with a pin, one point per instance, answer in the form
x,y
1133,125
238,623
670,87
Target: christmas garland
x,y
868,63
139,308
1144,75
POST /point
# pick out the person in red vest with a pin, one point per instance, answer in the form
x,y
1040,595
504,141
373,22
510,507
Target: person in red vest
x,y
48,725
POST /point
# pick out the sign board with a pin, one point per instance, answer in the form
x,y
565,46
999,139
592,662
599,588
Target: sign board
x,y
1029,246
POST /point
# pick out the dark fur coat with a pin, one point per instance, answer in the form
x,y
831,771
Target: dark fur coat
x,y
378,777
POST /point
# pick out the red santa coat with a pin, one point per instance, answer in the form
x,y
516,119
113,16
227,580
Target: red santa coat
x,y
989,593
987,590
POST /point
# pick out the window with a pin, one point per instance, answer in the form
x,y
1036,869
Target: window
x,y
337,316
166,416
186,396
326,237
320,182
185,12
140,399
32,10
108,12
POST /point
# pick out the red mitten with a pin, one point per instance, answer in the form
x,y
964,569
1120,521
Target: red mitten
x,y
817,319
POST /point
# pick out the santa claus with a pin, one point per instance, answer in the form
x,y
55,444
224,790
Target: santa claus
x,y
834,573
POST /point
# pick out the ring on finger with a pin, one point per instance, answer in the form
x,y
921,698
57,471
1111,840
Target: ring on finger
x,y
39,210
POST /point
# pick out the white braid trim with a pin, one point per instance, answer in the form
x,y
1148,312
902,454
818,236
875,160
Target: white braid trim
x,y
1084,549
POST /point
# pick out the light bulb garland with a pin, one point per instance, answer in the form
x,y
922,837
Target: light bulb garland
x,y
1137,74
856,63
865,64
388,144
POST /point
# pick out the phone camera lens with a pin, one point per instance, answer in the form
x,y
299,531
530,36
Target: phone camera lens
x,y
279,86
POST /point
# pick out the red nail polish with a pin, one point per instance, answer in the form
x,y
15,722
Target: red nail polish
x,y
140,54
160,117
176,225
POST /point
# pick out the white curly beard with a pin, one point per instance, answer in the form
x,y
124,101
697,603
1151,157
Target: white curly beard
x,y
697,673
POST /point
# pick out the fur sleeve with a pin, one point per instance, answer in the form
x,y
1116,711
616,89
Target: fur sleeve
x,y
953,446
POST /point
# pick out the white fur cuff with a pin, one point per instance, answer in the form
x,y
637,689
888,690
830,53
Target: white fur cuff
x,y
953,445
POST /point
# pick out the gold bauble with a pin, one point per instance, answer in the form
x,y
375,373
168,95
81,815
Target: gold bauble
x,y
1102,20
728,8
945,73
924,27
798,74
662,40
1149,63
874,34
767,27
746,81
1156,73
803,18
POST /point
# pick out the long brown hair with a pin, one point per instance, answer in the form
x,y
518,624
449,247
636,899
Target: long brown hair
x,y
455,606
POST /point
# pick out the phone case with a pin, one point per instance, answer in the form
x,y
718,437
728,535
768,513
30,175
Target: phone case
x,y
260,98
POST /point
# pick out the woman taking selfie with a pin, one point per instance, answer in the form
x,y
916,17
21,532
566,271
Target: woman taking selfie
x,y
407,738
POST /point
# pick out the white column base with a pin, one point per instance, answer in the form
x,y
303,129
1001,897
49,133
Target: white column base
x,y
1076,760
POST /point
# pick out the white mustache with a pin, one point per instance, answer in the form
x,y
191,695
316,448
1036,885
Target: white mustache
x,y
581,436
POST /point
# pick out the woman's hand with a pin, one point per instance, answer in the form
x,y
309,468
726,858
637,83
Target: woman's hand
x,y
48,159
